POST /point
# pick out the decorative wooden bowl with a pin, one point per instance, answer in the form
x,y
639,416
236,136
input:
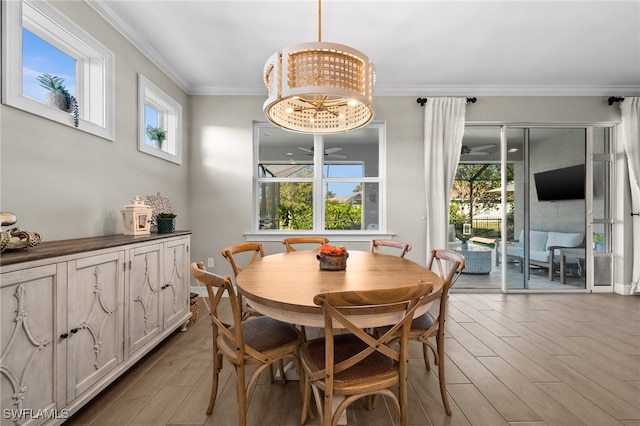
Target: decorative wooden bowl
x,y
332,262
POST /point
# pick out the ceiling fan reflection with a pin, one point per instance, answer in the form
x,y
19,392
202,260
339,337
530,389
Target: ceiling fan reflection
x,y
329,152
476,150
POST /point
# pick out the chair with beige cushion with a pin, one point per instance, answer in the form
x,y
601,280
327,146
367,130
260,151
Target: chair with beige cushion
x,y
376,245
290,242
448,264
256,342
249,252
356,364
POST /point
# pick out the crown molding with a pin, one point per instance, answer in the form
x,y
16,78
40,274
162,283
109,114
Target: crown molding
x,y
499,90
462,90
103,9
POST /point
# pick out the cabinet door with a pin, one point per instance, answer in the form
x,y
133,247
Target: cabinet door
x,y
145,309
175,290
95,319
28,340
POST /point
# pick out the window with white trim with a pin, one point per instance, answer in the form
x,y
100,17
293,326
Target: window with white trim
x,y
159,115
319,183
43,48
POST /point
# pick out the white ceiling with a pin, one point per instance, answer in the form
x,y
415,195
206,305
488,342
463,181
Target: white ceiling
x,y
419,48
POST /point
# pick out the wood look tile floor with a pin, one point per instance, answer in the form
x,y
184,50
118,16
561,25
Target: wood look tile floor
x,y
517,359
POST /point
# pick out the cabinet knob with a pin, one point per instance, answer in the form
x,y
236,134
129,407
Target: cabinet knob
x,y
72,331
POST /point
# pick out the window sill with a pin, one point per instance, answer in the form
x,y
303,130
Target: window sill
x,y
333,236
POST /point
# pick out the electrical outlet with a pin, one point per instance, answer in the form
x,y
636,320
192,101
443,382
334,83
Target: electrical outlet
x,y
210,262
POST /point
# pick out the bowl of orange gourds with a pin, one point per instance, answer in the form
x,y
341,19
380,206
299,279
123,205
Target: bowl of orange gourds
x,y
332,258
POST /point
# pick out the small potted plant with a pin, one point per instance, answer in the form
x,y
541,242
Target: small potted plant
x,y
58,95
157,135
163,218
463,240
166,222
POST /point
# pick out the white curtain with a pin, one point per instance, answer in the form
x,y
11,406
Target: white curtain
x,y
630,111
443,131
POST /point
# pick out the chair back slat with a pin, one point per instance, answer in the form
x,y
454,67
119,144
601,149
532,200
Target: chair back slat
x,y
376,245
254,249
290,242
449,265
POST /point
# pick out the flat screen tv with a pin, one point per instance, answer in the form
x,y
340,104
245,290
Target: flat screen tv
x,y
561,184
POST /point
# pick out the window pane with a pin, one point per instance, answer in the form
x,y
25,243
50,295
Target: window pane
x,y
40,57
343,170
285,170
284,154
344,206
286,205
150,119
357,147
150,116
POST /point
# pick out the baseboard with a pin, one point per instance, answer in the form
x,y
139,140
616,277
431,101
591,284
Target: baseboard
x,y
624,289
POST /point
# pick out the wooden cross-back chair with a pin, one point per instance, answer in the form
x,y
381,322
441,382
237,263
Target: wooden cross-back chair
x,y
254,249
257,341
357,364
448,264
290,242
250,252
376,245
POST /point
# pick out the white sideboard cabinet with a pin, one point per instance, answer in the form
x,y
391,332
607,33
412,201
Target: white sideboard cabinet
x,y
76,314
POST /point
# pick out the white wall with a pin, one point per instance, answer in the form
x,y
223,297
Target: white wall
x,y
64,183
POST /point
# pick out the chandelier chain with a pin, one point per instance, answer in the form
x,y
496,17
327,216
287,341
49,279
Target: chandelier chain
x,y
319,20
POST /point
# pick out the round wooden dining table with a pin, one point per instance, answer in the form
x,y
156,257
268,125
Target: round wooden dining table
x,y
283,285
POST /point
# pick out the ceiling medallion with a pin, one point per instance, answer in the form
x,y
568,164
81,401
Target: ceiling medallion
x,y
319,87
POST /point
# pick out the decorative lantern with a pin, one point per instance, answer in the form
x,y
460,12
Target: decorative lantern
x,y
136,217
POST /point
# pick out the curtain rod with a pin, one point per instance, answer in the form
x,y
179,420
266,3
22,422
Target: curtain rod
x,y
423,101
613,99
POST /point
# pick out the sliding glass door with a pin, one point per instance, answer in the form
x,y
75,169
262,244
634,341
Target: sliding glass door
x,y
531,208
548,249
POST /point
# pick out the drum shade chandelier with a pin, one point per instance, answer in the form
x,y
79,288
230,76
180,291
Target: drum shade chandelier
x,y
319,87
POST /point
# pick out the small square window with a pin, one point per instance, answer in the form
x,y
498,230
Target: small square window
x,y
160,122
54,69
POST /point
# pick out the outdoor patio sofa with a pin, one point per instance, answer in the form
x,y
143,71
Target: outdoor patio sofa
x,y
543,248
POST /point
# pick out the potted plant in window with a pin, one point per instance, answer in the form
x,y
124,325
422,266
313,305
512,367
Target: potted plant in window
x,y
157,135
58,95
